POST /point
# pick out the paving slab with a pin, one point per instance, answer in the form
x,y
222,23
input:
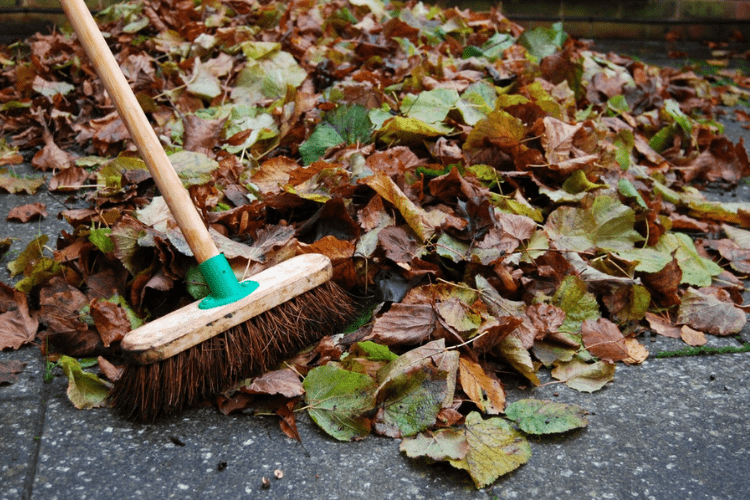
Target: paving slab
x,y
671,428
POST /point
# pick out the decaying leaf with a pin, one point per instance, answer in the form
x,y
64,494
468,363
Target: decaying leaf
x,y
494,449
85,390
583,376
536,416
708,314
25,213
9,370
484,390
337,401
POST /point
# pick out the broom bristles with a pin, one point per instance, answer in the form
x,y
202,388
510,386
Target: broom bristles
x,y
147,392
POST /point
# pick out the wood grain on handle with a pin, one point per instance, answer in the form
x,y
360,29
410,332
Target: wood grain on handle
x,y
143,135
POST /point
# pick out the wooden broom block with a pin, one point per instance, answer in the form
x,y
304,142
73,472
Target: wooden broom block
x,y
190,325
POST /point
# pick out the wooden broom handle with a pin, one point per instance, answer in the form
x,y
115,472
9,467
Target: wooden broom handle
x,y
169,184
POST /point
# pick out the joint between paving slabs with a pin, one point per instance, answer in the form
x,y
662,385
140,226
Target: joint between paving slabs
x,y
28,485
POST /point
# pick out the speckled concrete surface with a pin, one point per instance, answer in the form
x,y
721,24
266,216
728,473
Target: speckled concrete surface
x,y
669,429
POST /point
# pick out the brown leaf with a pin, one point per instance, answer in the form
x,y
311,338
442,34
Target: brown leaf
x,y
284,382
111,321
274,174
108,130
493,335
546,319
664,284
400,244
393,161
25,213
721,161
637,354
59,311
9,370
709,314
692,337
449,417
70,179
110,371
288,421
17,326
604,340
404,324
453,185
51,157
663,326
236,402
485,390
201,134
738,256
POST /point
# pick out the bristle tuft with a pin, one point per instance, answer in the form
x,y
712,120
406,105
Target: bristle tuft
x,y
147,392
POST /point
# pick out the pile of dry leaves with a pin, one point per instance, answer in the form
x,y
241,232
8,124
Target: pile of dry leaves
x,y
511,199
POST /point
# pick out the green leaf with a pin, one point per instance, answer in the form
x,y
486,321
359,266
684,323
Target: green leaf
x,y
542,42
607,224
406,130
31,254
196,283
739,236
377,352
261,126
440,445
267,78
338,400
133,318
352,122
431,106
696,270
101,240
648,260
42,270
511,348
494,449
584,377
14,184
415,386
627,189
259,50
451,248
672,108
411,402
494,48
535,416
85,390
660,139
579,183
194,169
617,104
578,304
203,83
323,137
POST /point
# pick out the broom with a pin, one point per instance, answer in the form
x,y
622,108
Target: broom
x,y
241,328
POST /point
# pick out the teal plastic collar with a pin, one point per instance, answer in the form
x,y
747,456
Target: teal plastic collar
x,y
223,285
